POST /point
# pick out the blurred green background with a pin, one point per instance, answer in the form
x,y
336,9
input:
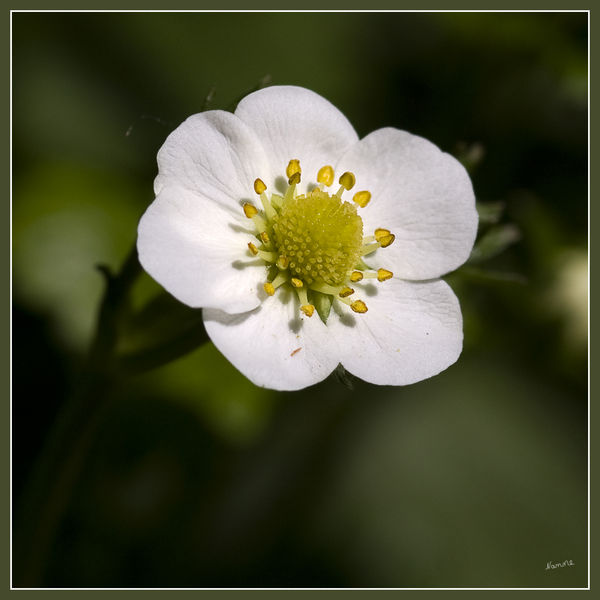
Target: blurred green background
x,y
196,478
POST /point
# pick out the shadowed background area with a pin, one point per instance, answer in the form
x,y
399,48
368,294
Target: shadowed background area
x,y
194,477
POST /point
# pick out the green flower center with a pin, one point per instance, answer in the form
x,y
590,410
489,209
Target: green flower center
x,y
321,235
314,242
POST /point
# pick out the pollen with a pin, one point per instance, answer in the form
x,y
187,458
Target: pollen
x,y
249,209
387,240
347,180
308,309
326,175
358,306
293,168
384,274
362,198
259,186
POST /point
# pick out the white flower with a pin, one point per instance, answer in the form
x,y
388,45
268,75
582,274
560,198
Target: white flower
x,y
249,223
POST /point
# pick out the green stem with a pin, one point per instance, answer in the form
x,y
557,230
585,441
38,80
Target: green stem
x,y
50,489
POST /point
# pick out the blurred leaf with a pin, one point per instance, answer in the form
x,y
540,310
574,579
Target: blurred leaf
x,y
490,212
66,220
466,479
470,155
484,275
203,380
165,329
495,241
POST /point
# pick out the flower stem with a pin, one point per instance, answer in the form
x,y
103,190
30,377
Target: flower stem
x,y
50,488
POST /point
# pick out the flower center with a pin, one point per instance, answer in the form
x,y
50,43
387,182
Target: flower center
x,y
314,242
321,235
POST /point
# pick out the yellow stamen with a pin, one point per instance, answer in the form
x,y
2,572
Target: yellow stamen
x,y
269,288
252,248
293,168
326,175
308,309
279,280
362,198
294,179
325,288
259,223
347,180
345,292
297,283
259,186
380,233
369,248
276,200
387,240
302,295
356,276
290,192
384,274
370,275
250,210
267,256
264,236
358,306
283,262
269,210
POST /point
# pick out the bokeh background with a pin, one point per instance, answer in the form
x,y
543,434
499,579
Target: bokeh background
x,y
196,478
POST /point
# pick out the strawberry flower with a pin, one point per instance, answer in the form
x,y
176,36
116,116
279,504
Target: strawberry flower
x,y
307,247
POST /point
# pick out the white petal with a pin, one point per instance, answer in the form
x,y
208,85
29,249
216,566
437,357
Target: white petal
x,y
275,346
213,154
293,122
198,251
422,195
411,331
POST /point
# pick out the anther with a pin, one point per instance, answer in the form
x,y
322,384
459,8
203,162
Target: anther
x,y
387,240
250,210
326,175
308,309
347,180
297,283
264,236
356,276
358,306
259,186
269,288
293,168
380,233
384,274
345,292
252,248
362,198
294,179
